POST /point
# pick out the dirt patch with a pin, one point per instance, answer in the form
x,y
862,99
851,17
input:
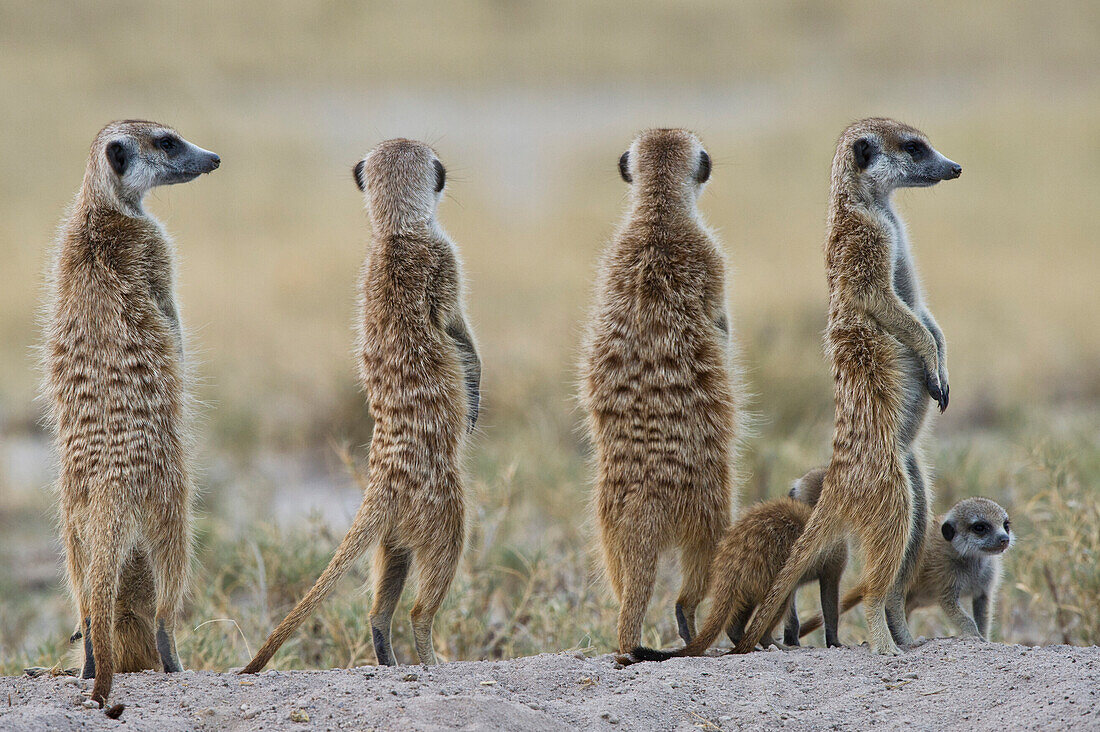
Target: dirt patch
x,y
942,684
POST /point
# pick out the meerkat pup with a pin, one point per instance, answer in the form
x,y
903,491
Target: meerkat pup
x,y
422,375
888,356
964,564
659,385
117,395
750,555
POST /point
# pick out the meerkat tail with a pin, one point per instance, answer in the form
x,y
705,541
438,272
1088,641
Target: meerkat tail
x,y
851,599
359,538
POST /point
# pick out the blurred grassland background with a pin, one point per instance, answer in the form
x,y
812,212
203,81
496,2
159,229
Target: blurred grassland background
x,y
530,104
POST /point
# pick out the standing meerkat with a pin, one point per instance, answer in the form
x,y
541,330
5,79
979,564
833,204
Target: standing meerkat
x,y
888,356
750,555
659,385
422,375
963,562
117,392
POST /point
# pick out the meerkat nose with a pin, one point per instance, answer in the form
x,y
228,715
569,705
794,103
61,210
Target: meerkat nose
x,y
956,170
215,161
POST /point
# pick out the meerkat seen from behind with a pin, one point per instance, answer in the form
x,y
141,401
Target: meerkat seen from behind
x,y
421,373
888,356
117,392
659,384
961,560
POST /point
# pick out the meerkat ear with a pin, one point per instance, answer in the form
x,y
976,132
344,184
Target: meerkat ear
x,y
624,167
118,157
864,151
948,530
357,172
440,176
702,174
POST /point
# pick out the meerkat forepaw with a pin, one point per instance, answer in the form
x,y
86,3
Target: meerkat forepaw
x,y
932,384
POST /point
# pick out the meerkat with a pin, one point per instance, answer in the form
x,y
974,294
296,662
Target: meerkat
x,y
117,394
659,385
888,355
964,564
750,555
421,372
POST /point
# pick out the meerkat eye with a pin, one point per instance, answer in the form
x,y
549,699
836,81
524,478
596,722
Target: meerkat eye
x,y
702,174
168,144
980,528
1007,524
915,148
440,176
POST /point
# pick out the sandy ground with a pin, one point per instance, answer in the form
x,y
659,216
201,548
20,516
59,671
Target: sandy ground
x,y
942,684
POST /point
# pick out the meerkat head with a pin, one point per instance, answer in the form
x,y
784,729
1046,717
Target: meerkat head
x,y
808,488
666,161
883,154
403,182
130,157
977,527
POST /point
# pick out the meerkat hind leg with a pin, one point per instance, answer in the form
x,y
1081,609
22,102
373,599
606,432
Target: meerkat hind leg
x,y
895,603
639,575
391,568
695,567
435,571
791,627
169,557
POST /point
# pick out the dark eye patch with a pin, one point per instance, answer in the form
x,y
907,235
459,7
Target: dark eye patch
x,y
440,175
169,144
980,527
915,148
1007,524
702,174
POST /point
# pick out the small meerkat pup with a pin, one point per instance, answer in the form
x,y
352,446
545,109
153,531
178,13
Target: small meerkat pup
x,y
117,394
659,385
888,356
422,375
750,555
964,564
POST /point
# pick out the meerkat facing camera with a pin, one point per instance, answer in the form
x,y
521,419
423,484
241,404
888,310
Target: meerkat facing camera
x,y
421,372
962,560
659,384
117,391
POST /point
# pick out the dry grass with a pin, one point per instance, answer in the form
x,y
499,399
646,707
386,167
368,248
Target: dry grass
x,y
530,105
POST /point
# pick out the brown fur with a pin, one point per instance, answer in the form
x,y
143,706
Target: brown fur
x,y
749,557
420,370
659,385
117,393
945,575
886,357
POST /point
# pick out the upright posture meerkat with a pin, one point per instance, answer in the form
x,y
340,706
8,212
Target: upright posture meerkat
x,y
749,557
116,387
422,375
887,354
659,385
964,564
